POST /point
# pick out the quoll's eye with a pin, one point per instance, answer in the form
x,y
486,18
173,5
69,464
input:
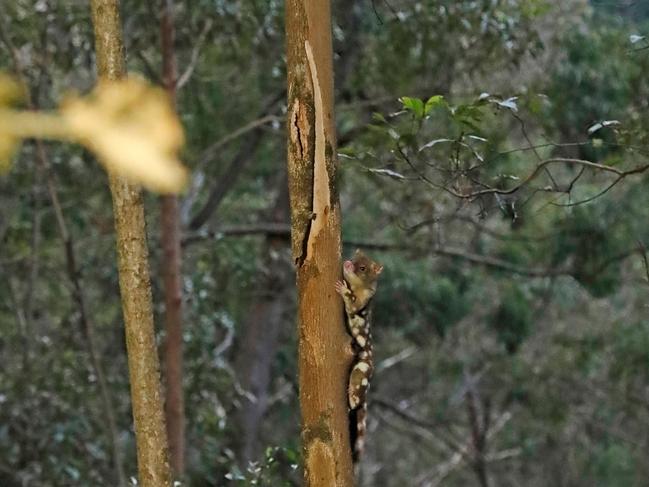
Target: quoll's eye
x,y
362,268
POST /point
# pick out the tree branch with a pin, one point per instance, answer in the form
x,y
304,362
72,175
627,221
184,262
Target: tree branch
x,y
210,152
227,180
225,183
189,70
529,178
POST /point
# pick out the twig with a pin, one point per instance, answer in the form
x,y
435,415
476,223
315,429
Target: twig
x,y
531,176
189,70
404,354
263,229
283,230
35,244
496,263
23,326
227,180
645,261
225,344
208,154
591,198
440,472
437,429
479,425
529,142
480,226
151,71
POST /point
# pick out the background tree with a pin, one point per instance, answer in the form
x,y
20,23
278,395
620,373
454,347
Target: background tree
x,y
135,287
510,330
172,272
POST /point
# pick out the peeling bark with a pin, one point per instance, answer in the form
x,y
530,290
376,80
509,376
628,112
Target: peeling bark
x,y
325,353
134,281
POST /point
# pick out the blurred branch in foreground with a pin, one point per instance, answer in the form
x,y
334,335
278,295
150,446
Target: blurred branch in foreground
x,y
128,124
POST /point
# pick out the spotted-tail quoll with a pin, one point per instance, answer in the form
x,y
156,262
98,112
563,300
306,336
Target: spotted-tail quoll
x,y
357,290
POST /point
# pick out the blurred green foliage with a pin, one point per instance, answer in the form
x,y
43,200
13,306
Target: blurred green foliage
x,y
630,349
567,408
512,320
415,299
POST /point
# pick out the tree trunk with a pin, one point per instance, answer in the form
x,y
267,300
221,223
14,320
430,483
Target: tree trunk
x,y
172,275
261,332
134,281
325,352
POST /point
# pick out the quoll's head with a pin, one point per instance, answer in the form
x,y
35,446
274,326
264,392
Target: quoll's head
x,y
361,269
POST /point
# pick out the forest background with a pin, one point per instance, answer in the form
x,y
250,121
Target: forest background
x,y
492,158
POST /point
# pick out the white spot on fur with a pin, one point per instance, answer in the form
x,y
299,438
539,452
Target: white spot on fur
x,y
362,366
354,401
357,322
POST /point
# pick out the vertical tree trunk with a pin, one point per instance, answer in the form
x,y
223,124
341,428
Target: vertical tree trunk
x,y
172,273
134,281
261,332
325,352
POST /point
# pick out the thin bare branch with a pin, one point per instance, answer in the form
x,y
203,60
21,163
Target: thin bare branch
x,y
436,476
478,225
591,198
262,229
232,172
621,174
500,264
283,230
151,71
556,160
208,154
440,430
227,180
531,145
189,70
23,325
393,360
643,252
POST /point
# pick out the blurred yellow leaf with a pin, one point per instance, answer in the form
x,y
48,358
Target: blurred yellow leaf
x,y
130,126
8,146
10,90
133,130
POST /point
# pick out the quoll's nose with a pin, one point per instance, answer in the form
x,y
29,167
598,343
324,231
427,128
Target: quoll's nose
x,y
348,265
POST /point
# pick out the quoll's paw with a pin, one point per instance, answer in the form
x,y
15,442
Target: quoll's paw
x,y
341,287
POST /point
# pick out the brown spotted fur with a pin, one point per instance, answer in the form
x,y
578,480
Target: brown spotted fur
x,y
357,290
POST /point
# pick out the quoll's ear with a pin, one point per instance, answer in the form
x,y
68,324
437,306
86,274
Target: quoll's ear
x,y
378,269
358,251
